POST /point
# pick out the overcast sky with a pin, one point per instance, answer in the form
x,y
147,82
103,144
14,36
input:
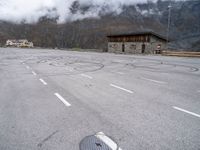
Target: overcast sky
x,y
31,10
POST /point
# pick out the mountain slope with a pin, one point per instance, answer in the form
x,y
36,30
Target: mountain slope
x,y
91,32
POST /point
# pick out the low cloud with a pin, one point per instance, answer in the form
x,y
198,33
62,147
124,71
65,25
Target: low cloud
x,y
30,11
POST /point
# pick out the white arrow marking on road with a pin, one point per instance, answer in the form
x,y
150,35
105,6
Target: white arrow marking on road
x,y
160,82
186,111
107,141
43,81
118,87
62,99
87,76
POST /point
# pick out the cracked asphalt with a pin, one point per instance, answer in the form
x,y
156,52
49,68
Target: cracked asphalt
x,y
52,99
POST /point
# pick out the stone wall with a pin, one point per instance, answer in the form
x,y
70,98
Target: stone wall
x,y
115,47
136,47
130,47
155,42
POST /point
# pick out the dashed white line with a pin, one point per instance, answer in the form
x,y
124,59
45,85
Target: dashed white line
x,y
69,69
120,73
62,99
186,111
87,76
27,67
43,82
118,87
156,81
109,142
34,73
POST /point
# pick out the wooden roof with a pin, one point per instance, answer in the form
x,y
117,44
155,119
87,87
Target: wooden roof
x,y
139,33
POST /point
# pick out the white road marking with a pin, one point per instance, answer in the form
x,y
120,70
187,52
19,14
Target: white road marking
x,y
27,67
186,111
34,73
87,76
160,82
41,80
69,69
107,141
118,87
120,73
62,99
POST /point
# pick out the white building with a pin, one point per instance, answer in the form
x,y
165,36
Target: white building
x,y
19,43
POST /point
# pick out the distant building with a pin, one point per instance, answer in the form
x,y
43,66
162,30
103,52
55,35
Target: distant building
x,y
136,43
19,43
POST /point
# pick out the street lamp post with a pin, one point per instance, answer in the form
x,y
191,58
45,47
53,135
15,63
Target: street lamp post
x,y
168,26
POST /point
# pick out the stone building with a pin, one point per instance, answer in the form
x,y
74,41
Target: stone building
x,y
136,43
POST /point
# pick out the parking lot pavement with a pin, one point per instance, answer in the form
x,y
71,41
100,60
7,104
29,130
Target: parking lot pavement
x,y
52,99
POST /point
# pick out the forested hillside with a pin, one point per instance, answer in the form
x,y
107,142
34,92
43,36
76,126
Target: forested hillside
x,y
91,32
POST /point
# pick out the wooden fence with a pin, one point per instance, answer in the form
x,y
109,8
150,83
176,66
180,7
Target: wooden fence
x,y
180,53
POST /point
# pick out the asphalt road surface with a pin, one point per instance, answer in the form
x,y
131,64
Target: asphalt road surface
x,y
52,99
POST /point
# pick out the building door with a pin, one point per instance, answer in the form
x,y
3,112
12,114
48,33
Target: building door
x,y
158,49
123,47
143,48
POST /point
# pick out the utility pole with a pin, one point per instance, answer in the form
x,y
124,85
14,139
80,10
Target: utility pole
x,y
169,22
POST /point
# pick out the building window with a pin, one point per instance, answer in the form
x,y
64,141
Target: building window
x,y
123,47
148,38
115,46
143,48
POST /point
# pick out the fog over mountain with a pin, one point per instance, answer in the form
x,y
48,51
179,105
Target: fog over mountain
x,y
31,11
85,23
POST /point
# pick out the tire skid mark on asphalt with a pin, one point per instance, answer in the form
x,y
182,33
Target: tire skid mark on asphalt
x,y
46,139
